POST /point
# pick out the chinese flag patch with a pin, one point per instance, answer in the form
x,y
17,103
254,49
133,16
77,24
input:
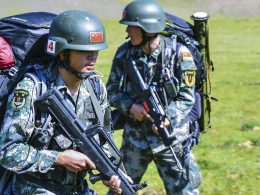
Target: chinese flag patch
x,y
96,37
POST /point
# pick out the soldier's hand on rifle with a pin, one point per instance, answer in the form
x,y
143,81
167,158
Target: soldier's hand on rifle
x,y
138,111
114,184
74,161
165,123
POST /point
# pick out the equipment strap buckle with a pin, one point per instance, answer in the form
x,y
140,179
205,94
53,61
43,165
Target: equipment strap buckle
x,y
187,41
12,71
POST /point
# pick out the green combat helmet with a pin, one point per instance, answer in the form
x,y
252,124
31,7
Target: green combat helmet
x,y
146,14
76,30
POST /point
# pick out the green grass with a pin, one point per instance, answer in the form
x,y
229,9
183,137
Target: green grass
x,y
228,164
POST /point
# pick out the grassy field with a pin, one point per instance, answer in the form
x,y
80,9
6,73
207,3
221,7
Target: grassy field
x,y
229,153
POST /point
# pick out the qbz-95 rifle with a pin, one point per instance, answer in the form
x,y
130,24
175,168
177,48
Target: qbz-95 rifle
x,y
152,104
53,102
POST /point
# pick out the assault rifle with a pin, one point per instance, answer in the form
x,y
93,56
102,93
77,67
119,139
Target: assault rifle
x,y
151,103
54,103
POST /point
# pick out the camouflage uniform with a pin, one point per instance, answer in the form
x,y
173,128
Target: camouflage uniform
x,y
30,155
140,145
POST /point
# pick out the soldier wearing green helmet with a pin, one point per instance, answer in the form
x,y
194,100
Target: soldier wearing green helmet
x,y
157,62
78,31
147,15
43,158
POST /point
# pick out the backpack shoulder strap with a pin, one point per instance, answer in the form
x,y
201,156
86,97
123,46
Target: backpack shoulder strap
x,y
40,80
174,42
104,118
170,51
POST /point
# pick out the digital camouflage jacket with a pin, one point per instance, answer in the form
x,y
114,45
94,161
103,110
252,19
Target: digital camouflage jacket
x,y
121,95
20,124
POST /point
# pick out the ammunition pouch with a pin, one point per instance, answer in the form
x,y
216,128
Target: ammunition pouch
x,y
170,88
6,178
195,113
195,133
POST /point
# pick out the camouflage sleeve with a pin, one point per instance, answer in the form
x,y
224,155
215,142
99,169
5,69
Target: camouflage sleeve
x,y
103,96
180,108
15,152
116,97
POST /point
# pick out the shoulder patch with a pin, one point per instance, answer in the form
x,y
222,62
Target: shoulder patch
x,y
19,98
186,56
189,77
188,65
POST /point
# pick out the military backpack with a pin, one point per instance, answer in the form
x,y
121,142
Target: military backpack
x,y
23,39
196,38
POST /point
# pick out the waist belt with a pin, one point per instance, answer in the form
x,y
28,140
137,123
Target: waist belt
x,y
58,181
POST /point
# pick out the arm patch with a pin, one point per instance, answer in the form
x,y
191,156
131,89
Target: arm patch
x,y
19,99
186,56
189,77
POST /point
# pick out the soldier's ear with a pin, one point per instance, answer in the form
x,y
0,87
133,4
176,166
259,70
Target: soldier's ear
x,y
61,55
65,53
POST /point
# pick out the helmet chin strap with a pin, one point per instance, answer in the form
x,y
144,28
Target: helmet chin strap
x,y
65,63
146,38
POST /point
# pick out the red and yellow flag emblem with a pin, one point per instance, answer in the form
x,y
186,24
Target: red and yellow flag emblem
x,y
96,37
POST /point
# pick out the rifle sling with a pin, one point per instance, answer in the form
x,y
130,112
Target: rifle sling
x,y
95,102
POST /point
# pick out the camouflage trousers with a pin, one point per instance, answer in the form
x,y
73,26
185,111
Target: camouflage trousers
x,y
176,181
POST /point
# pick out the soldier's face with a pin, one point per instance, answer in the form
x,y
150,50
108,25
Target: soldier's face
x,y
135,34
83,61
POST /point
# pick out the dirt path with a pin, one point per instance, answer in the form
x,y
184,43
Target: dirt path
x,y
102,8
113,8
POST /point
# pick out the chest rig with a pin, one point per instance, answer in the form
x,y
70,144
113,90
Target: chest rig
x,y
157,70
48,134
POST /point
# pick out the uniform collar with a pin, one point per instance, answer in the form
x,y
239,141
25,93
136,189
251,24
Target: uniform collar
x,y
153,58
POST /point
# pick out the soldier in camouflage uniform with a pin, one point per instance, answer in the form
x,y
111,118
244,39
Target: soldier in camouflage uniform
x,y
155,57
46,162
